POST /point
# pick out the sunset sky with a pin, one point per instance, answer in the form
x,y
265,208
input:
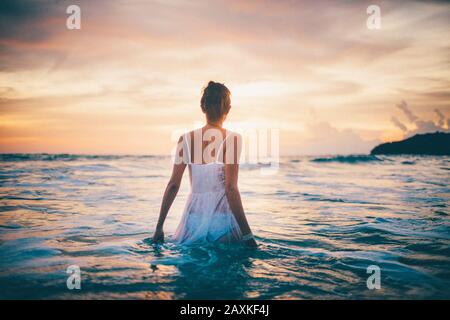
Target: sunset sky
x,y
134,72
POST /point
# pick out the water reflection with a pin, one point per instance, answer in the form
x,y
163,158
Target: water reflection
x,y
319,225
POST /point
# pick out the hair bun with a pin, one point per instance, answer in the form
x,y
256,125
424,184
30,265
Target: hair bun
x,y
215,101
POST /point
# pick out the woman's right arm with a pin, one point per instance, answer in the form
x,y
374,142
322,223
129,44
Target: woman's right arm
x,y
169,196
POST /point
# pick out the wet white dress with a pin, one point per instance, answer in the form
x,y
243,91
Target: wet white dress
x,y
207,216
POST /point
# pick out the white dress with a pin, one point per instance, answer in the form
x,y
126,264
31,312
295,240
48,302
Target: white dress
x,y
207,216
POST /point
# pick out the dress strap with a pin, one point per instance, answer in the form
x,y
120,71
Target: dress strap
x,y
220,149
187,141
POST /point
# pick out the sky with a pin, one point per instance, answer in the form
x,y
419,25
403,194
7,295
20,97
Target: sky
x,y
130,80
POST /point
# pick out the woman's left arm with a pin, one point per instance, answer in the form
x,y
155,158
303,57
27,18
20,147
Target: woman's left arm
x,y
233,195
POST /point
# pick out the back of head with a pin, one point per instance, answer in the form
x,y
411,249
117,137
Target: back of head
x,y
216,101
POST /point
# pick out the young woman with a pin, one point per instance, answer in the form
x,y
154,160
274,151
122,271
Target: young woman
x,y
213,211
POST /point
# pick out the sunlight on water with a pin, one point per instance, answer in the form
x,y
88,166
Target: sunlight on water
x,y
320,223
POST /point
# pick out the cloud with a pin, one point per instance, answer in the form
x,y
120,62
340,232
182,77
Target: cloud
x,y
441,117
398,124
404,107
19,20
421,125
322,138
280,59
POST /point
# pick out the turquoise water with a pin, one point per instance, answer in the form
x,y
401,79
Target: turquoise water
x,y
320,223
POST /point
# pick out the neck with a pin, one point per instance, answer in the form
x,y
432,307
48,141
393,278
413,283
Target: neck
x,y
217,124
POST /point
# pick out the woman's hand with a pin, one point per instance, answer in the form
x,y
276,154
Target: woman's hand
x,y
249,240
158,236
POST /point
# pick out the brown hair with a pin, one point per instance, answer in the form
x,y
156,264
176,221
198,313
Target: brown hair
x,y
215,100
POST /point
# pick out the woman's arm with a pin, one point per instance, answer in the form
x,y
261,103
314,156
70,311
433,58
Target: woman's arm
x,y
233,195
169,195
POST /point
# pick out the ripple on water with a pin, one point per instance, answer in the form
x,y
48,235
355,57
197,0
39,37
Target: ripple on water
x,y
319,222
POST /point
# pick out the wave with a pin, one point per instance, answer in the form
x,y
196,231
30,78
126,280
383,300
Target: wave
x,y
348,159
15,157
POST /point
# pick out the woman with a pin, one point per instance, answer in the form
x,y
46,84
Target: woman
x,y
213,211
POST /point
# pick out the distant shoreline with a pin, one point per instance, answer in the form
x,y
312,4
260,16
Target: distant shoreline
x,y
434,144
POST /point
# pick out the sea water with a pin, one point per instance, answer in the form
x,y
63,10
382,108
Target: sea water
x,y
320,223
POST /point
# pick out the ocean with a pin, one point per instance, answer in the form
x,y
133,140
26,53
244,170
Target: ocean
x,y
320,222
